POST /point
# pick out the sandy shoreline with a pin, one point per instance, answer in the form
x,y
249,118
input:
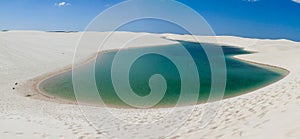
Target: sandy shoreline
x,y
259,114
45,96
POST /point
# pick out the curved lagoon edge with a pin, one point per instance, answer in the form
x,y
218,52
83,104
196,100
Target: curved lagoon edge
x,y
43,78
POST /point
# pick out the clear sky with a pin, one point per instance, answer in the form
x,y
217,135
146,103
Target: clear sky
x,y
246,18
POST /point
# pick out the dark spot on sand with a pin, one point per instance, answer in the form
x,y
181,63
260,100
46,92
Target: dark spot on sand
x,y
13,88
28,95
98,132
214,127
16,83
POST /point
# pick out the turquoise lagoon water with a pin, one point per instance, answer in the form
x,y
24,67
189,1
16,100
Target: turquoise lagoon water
x,y
242,77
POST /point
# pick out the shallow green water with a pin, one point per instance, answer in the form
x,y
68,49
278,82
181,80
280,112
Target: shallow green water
x,y
242,77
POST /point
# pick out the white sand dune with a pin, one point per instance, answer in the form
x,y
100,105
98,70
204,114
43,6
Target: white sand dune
x,y
28,56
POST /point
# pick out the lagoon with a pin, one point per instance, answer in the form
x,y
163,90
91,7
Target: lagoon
x,y
242,76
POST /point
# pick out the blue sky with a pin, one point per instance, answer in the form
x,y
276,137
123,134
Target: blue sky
x,y
246,18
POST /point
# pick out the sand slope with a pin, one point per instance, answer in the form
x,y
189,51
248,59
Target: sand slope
x,y
270,112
